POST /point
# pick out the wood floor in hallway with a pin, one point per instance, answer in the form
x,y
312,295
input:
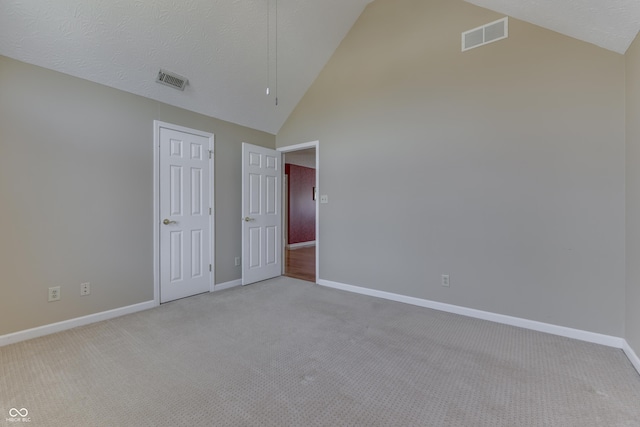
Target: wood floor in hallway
x,y
301,263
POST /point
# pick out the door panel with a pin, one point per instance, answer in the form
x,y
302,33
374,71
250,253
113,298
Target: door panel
x,y
255,244
185,228
271,246
254,194
272,193
196,191
175,194
176,256
261,204
196,251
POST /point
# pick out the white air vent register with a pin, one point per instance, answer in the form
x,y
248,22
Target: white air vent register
x,y
171,79
486,34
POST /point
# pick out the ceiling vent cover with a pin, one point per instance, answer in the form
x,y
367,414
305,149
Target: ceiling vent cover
x,y
486,34
171,79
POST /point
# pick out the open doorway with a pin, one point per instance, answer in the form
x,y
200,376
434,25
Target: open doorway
x,y
300,206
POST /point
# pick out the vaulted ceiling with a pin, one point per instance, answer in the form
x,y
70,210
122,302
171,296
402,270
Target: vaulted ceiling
x,y
228,53
219,45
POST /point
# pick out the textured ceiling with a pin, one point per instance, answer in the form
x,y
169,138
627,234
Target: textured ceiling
x,y
221,45
611,24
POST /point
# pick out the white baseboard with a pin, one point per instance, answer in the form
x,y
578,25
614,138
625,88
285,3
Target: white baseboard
x,y
578,334
73,323
91,318
633,357
563,331
301,245
227,285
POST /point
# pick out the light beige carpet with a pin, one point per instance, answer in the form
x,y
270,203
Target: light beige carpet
x,y
290,353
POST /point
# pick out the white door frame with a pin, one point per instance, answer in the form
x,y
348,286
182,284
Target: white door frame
x,y
157,125
298,147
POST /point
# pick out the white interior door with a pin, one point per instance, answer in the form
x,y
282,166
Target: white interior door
x,y
185,214
261,215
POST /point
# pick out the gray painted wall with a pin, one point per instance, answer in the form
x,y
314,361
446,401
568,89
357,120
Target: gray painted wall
x,y
633,197
502,166
76,184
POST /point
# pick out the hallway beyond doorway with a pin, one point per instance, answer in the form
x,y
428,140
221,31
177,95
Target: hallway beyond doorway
x,y
301,263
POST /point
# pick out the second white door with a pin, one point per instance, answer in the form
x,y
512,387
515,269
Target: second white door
x,y
261,213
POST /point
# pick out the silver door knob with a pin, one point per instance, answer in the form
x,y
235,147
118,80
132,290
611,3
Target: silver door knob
x,y
247,219
167,222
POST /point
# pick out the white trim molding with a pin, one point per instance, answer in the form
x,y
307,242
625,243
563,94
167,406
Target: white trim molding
x,y
227,285
633,357
298,147
563,331
52,328
294,246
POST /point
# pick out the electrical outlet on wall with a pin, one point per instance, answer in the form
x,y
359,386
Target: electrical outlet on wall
x,y
85,288
54,293
445,280
237,261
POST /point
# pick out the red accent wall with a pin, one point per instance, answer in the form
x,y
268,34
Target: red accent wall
x,y
302,207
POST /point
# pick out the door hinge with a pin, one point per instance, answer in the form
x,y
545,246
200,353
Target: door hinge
x,y
209,211
209,267
210,153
